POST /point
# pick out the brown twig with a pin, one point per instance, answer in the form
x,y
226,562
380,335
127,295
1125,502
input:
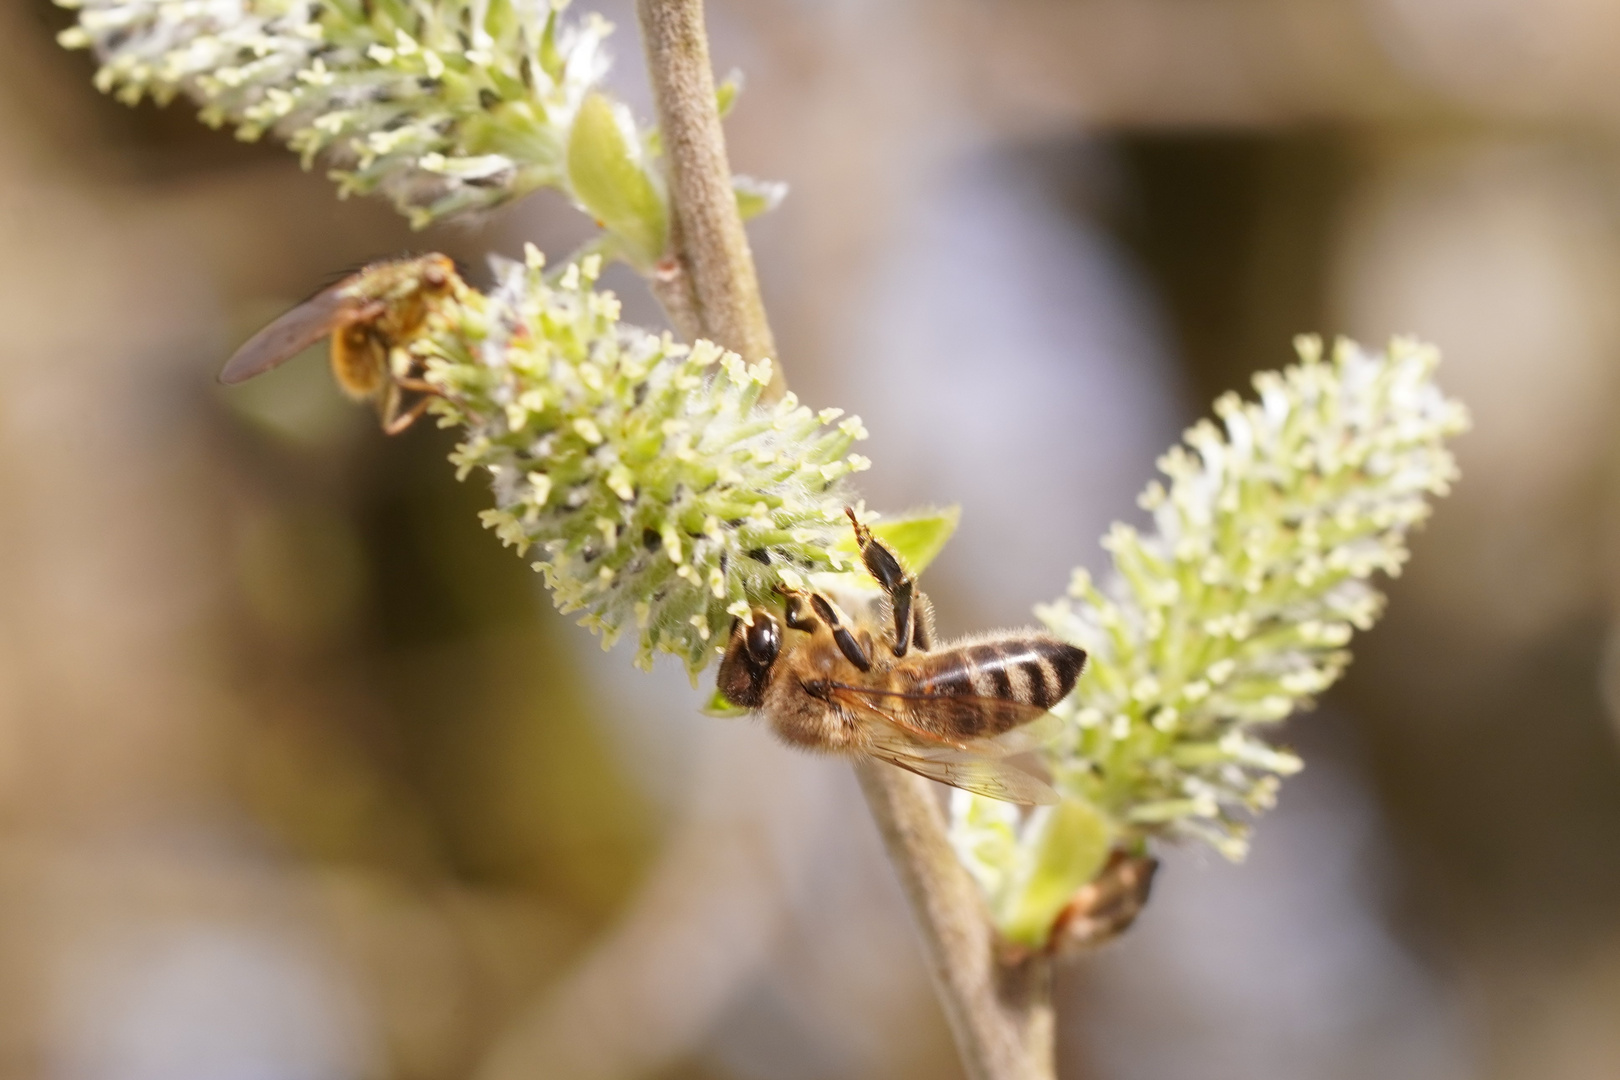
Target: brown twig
x,y
710,269
1000,1013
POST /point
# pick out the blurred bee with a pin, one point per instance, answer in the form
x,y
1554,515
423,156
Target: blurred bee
x,y
371,316
827,683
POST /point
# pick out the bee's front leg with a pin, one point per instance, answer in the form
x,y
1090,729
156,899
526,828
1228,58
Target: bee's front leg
x,y
848,644
806,611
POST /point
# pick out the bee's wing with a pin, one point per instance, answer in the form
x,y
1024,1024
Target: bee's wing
x,y
963,769
937,710
292,333
1028,736
970,764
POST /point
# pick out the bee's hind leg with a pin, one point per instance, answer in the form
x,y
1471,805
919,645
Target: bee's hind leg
x,y
899,586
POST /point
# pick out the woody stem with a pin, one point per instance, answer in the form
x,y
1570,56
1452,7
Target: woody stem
x,y
1000,1014
707,280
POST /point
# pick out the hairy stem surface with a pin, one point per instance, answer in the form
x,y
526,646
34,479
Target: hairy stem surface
x,y
1001,1015
710,269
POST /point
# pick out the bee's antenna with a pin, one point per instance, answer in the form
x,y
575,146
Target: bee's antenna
x,y
335,277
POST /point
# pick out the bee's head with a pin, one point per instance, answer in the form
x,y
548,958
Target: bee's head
x,y
438,271
752,650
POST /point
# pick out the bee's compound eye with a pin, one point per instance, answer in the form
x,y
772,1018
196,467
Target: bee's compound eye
x,y
764,639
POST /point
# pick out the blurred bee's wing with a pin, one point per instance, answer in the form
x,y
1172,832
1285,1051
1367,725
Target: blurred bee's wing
x,y
959,768
326,311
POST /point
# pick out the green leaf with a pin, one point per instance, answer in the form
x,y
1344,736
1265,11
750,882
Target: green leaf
x,y
1072,848
719,705
611,184
916,537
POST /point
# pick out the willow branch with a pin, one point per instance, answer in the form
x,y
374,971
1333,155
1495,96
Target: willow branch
x,y
1000,1014
710,269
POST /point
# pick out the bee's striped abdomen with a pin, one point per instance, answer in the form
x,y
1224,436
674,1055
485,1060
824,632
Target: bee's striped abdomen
x,y
1036,671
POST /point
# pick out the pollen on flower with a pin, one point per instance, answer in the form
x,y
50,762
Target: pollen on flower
x,y
643,476
587,430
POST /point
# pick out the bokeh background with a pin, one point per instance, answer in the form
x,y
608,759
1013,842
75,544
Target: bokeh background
x,y
302,779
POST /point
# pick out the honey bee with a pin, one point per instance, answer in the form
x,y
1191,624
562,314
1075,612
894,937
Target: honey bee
x,y
879,687
371,316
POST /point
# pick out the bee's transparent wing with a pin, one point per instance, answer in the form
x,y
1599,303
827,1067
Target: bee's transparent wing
x,y
292,333
963,769
972,765
942,712
1031,735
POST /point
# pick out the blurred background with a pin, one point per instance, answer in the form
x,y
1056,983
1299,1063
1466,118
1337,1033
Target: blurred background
x,y
302,779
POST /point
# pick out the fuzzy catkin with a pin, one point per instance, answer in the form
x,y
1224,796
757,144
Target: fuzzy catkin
x,y
444,106
655,492
1233,612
